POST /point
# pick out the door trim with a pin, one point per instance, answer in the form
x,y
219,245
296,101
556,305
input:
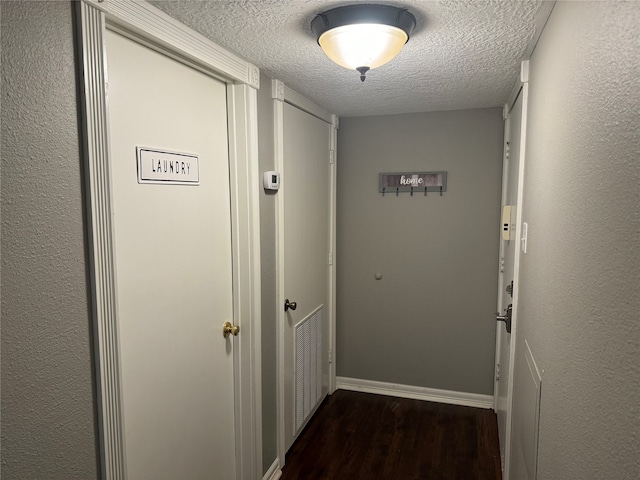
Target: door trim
x,y
524,76
153,28
506,116
524,86
282,94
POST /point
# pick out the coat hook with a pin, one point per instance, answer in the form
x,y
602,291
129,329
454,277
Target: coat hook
x,y
425,191
440,190
412,191
397,191
383,189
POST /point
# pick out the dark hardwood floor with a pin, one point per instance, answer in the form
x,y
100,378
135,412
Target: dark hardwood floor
x,y
373,437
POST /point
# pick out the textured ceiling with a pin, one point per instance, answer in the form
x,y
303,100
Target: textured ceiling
x,y
463,53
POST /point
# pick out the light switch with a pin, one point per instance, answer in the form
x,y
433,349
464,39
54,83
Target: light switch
x,y
523,240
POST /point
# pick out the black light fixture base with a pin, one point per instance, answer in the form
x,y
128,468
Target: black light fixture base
x,y
363,73
363,13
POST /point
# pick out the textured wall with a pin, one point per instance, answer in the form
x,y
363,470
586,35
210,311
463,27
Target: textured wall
x,y
430,320
48,419
580,295
268,277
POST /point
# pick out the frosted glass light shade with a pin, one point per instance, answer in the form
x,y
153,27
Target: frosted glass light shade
x,y
363,36
362,44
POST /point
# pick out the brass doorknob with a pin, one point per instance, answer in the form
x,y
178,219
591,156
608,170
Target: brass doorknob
x,y
229,329
289,305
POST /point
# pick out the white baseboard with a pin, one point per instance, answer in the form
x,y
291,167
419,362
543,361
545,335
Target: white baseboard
x,y
274,472
418,393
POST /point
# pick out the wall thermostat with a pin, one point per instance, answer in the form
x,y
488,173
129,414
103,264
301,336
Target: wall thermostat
x,y
271,180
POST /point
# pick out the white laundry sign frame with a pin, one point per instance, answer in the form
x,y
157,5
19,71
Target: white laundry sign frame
x,y
163,166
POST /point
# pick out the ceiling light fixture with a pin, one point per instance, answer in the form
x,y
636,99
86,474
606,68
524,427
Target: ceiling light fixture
x,y
363,37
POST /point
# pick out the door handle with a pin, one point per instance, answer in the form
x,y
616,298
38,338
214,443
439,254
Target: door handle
x,y
289,305
506,318
229,329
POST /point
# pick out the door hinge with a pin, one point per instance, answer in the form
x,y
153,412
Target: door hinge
x,y
497,372
509,289
332,156
331,258
330,355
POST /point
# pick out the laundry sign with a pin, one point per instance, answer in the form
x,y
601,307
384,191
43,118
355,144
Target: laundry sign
x,y
413,182
164,167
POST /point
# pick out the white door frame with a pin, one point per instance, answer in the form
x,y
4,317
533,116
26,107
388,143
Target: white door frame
x,y
524,85
282,94
151,27
506,115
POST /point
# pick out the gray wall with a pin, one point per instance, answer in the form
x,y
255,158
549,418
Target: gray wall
x,y
48,418
581,204
430,320
268,277
580,278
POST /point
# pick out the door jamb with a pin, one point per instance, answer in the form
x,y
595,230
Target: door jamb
x,y
282,94
524,76
506,115
524,85
155,29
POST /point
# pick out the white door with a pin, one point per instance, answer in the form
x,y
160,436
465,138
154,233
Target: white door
x,y
508,253
173,267
306,189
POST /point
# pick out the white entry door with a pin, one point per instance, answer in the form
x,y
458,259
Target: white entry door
x,y
173,267
508,253
307,200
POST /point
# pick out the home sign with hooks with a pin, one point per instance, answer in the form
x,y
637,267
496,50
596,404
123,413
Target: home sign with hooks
x,y
413,182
